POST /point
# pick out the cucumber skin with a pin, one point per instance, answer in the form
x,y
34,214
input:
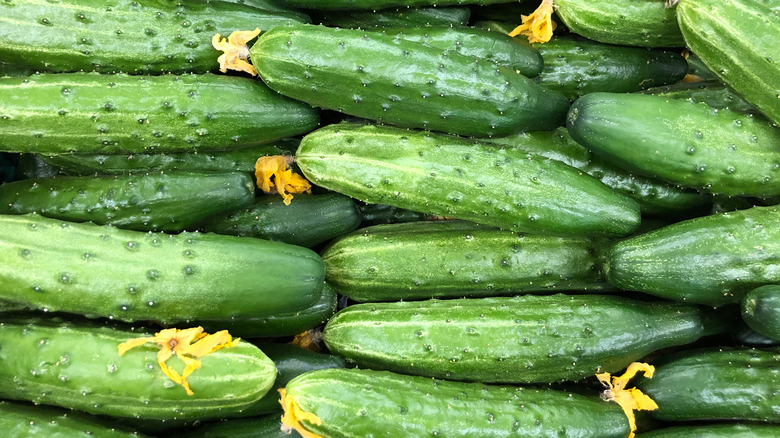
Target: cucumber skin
x,y
102,271
376,214
723,384
761,310
145,202
685,143
541,339
643,23
437,90
269,426
464,179
91,113
457,259
391,405
737,40
49,362
137,37
19,420
378,4
712,260
742,430
714,93
399,17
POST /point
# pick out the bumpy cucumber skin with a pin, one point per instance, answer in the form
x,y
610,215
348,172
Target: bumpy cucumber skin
x,y
378,4
723,384
137,37
79,367
738,41
400,82
269,426
711,260
520,339
308,221
643,23
157,201
26,421
742,430
685,143
360,403
714,93
457,259
454,177
102,271
398,17
577,66
761,310
91,113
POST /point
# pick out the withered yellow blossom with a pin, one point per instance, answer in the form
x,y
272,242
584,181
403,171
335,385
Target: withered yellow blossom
x,y
235,51
274,175
538,26
293,415
631,399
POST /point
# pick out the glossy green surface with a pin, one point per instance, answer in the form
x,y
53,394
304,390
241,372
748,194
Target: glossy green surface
x,y
740,430
761,310
269,426
686,143
714,93
376,214
710,260
19,420
378,4
398,17
131,276
464,179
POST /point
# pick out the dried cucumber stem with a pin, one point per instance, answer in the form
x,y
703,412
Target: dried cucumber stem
x,y
293,415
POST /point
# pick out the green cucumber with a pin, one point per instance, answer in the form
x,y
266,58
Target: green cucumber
x,y
738,40
577,66
685,143
268,426
644,23
464,179
722,384
697,69
362,403
744,335
420,260
308,221
520,339
739,430
397,17
440,90
714,93
137,37
495,26
51,362
761,310
91,113
378,4
376,214
102,271
19,420
32,166
711,260
156,201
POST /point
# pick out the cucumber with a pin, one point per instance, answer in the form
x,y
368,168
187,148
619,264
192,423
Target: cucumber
x,y
157,201
398,17
437,90
268,426
714,93
541,339
742,335
722,384
308,221
577,66
738,40
376,214
739,430
49,361
644,23
464,179
102,271
138,36
697,68
761,310
32,166
378,4
456,259
685,143
19,420
91,113
711,260
495,26
362,403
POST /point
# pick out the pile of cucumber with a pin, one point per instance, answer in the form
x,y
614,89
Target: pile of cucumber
x,y
492,221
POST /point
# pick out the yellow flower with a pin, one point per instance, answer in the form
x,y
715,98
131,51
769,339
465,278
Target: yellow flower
x,y
236,51
632,399
538,26
180,342
284,182
293,414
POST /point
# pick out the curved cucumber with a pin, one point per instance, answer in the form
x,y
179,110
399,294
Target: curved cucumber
x,y
421,260
51,362
740,430
710,260
398,17
454,177
90,113
714,93
761,310
685,143
102,271
437,90
19,420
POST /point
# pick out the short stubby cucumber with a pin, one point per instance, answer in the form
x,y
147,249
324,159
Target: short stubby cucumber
x,y
464,179
521,339
685,143
378,4
102,271
91,113
130,36
738,41
421,260
437,89
78,367
158,201
738,430
721,384
714,93
761,310
710,260
19,420
359,403
397,17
